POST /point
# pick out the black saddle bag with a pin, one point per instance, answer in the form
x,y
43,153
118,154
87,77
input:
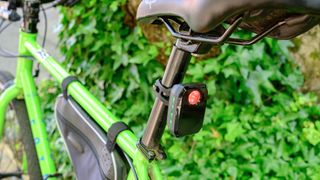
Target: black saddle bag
x,y
87,144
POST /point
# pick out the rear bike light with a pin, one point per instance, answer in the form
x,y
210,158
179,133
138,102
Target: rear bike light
x,y
186,108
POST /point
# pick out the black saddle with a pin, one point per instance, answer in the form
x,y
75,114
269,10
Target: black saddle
x,y
205,15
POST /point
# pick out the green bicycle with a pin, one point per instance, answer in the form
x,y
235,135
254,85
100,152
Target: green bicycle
x,y
99,144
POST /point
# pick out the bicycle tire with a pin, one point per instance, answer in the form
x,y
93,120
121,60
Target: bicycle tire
x,y
27,141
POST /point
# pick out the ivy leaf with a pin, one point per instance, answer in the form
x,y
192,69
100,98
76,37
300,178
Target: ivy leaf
x,y
311,134
116,93
257,80
232,171
234,130
239,140
230,71
135,73
294,80
212,65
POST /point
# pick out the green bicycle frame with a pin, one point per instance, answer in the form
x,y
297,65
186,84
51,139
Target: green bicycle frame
x,y
24,84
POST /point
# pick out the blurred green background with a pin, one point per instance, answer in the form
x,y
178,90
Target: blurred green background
x,y
262,119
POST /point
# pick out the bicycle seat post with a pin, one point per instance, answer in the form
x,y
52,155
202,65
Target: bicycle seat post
x,y
174,74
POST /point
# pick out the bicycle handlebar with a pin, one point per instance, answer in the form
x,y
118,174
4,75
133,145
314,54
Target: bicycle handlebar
x,y
8,7
7,13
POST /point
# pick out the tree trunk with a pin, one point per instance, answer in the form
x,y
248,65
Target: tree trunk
x,y
307,54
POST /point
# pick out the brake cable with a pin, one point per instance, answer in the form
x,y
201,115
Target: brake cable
x,y
37,69
131,165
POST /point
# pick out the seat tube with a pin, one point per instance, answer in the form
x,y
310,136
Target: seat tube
x,y
174,73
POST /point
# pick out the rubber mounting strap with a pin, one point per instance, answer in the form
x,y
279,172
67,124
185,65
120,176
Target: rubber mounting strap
x,y
65,84
113,133
162,92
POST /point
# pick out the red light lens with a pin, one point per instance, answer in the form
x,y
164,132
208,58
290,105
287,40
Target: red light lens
x,y
194,97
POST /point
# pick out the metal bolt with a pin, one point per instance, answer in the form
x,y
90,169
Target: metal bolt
x,y
151,154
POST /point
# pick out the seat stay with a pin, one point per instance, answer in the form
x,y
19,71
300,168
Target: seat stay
x,y
256,38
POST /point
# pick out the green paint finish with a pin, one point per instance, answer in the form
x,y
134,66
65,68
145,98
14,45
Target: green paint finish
x,y
91,104
5,98
37,126
25,80
155,172
24,63
141,165
126,140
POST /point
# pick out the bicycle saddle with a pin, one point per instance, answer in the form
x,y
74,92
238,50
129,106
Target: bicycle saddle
x,y
204,15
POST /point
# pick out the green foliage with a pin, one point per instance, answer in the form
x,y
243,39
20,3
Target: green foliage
x,y
115,61
258,125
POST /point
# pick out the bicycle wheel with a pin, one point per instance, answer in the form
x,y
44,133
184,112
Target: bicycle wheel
x,y
18,158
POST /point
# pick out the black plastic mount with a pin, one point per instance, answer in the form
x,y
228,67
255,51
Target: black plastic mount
x,y
162,92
